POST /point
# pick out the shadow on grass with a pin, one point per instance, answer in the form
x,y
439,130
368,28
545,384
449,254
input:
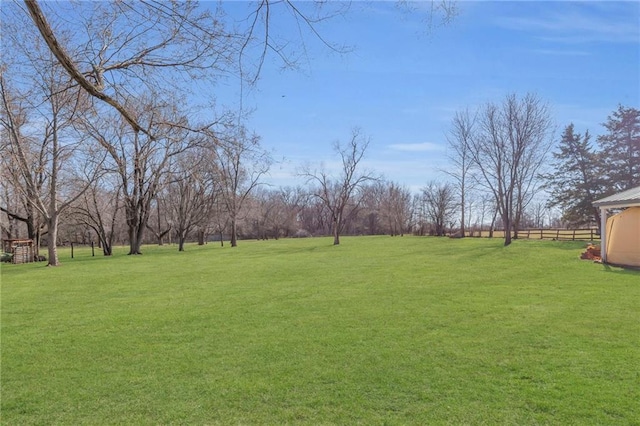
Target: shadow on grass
x,y
621,270
559,244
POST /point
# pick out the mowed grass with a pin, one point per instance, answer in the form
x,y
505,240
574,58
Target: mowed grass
x,y
378,330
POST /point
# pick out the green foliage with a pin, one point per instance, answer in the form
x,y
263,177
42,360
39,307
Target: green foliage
x,y
577,180
377,330
583,174
621,148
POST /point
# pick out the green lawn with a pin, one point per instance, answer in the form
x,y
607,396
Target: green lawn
x,y
378,330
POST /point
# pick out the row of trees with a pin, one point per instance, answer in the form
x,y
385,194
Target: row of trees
x,y
211,187
92,137
184,211
502,150
85,105
110,102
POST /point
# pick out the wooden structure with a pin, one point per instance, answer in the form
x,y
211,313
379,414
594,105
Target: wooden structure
x,y
21,250
620,242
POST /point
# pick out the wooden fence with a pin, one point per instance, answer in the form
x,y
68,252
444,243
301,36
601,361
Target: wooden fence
x,y
588,234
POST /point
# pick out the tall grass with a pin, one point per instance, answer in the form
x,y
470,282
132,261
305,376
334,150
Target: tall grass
x,y
377,330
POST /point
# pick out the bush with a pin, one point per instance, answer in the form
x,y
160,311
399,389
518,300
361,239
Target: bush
x,y
302,233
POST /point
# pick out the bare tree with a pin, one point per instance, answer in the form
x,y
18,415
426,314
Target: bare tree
x,y
159,224
268,22
142,162
10,204
261,208
273,213
41,109
130,45
192,194
99,209
373,209
51,144
315,218
128,50
508,149
537,213
291,201
18,114
241,163
336,193
123,53
439,205
16,193
459,141
388,203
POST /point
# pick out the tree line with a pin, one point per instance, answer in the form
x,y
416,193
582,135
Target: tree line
x,y
108,133
109,109
508,152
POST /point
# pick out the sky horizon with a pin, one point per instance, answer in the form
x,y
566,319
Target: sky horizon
x,y
401,84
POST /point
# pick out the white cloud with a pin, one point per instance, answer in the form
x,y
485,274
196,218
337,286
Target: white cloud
x,y
560,52
580,23
416,147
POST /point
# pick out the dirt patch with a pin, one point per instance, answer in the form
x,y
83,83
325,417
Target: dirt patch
x,y
592,253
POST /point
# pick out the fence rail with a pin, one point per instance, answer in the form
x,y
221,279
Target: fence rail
x,y
587,234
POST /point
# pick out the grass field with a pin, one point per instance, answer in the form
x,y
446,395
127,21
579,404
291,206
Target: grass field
x,y
378,330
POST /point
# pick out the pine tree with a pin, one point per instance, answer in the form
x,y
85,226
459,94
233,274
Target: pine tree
x,y
621,149
577,180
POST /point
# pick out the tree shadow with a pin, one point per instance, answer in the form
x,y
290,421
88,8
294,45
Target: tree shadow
x,y
626,270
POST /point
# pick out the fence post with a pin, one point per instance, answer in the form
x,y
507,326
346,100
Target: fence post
x,y
558,234
541,236
574,235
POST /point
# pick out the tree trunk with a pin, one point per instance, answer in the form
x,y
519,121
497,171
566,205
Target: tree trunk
x,y
234,240
181,239
33,230
52,225
103,242
134,242
507,231
139,236
493,223
137,221
462,201
201,238
515,225
336,233
160,234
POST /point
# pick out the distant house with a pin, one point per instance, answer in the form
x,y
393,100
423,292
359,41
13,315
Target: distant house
x,y
620,233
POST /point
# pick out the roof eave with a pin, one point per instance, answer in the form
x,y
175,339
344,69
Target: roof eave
x,y
617,204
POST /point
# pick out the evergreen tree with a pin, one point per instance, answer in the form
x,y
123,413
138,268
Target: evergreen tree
x,y
621,149
577,180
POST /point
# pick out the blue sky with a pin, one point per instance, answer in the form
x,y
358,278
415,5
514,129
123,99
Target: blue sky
x,y
402,85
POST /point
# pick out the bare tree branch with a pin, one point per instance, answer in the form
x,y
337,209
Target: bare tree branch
x,y
64,59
